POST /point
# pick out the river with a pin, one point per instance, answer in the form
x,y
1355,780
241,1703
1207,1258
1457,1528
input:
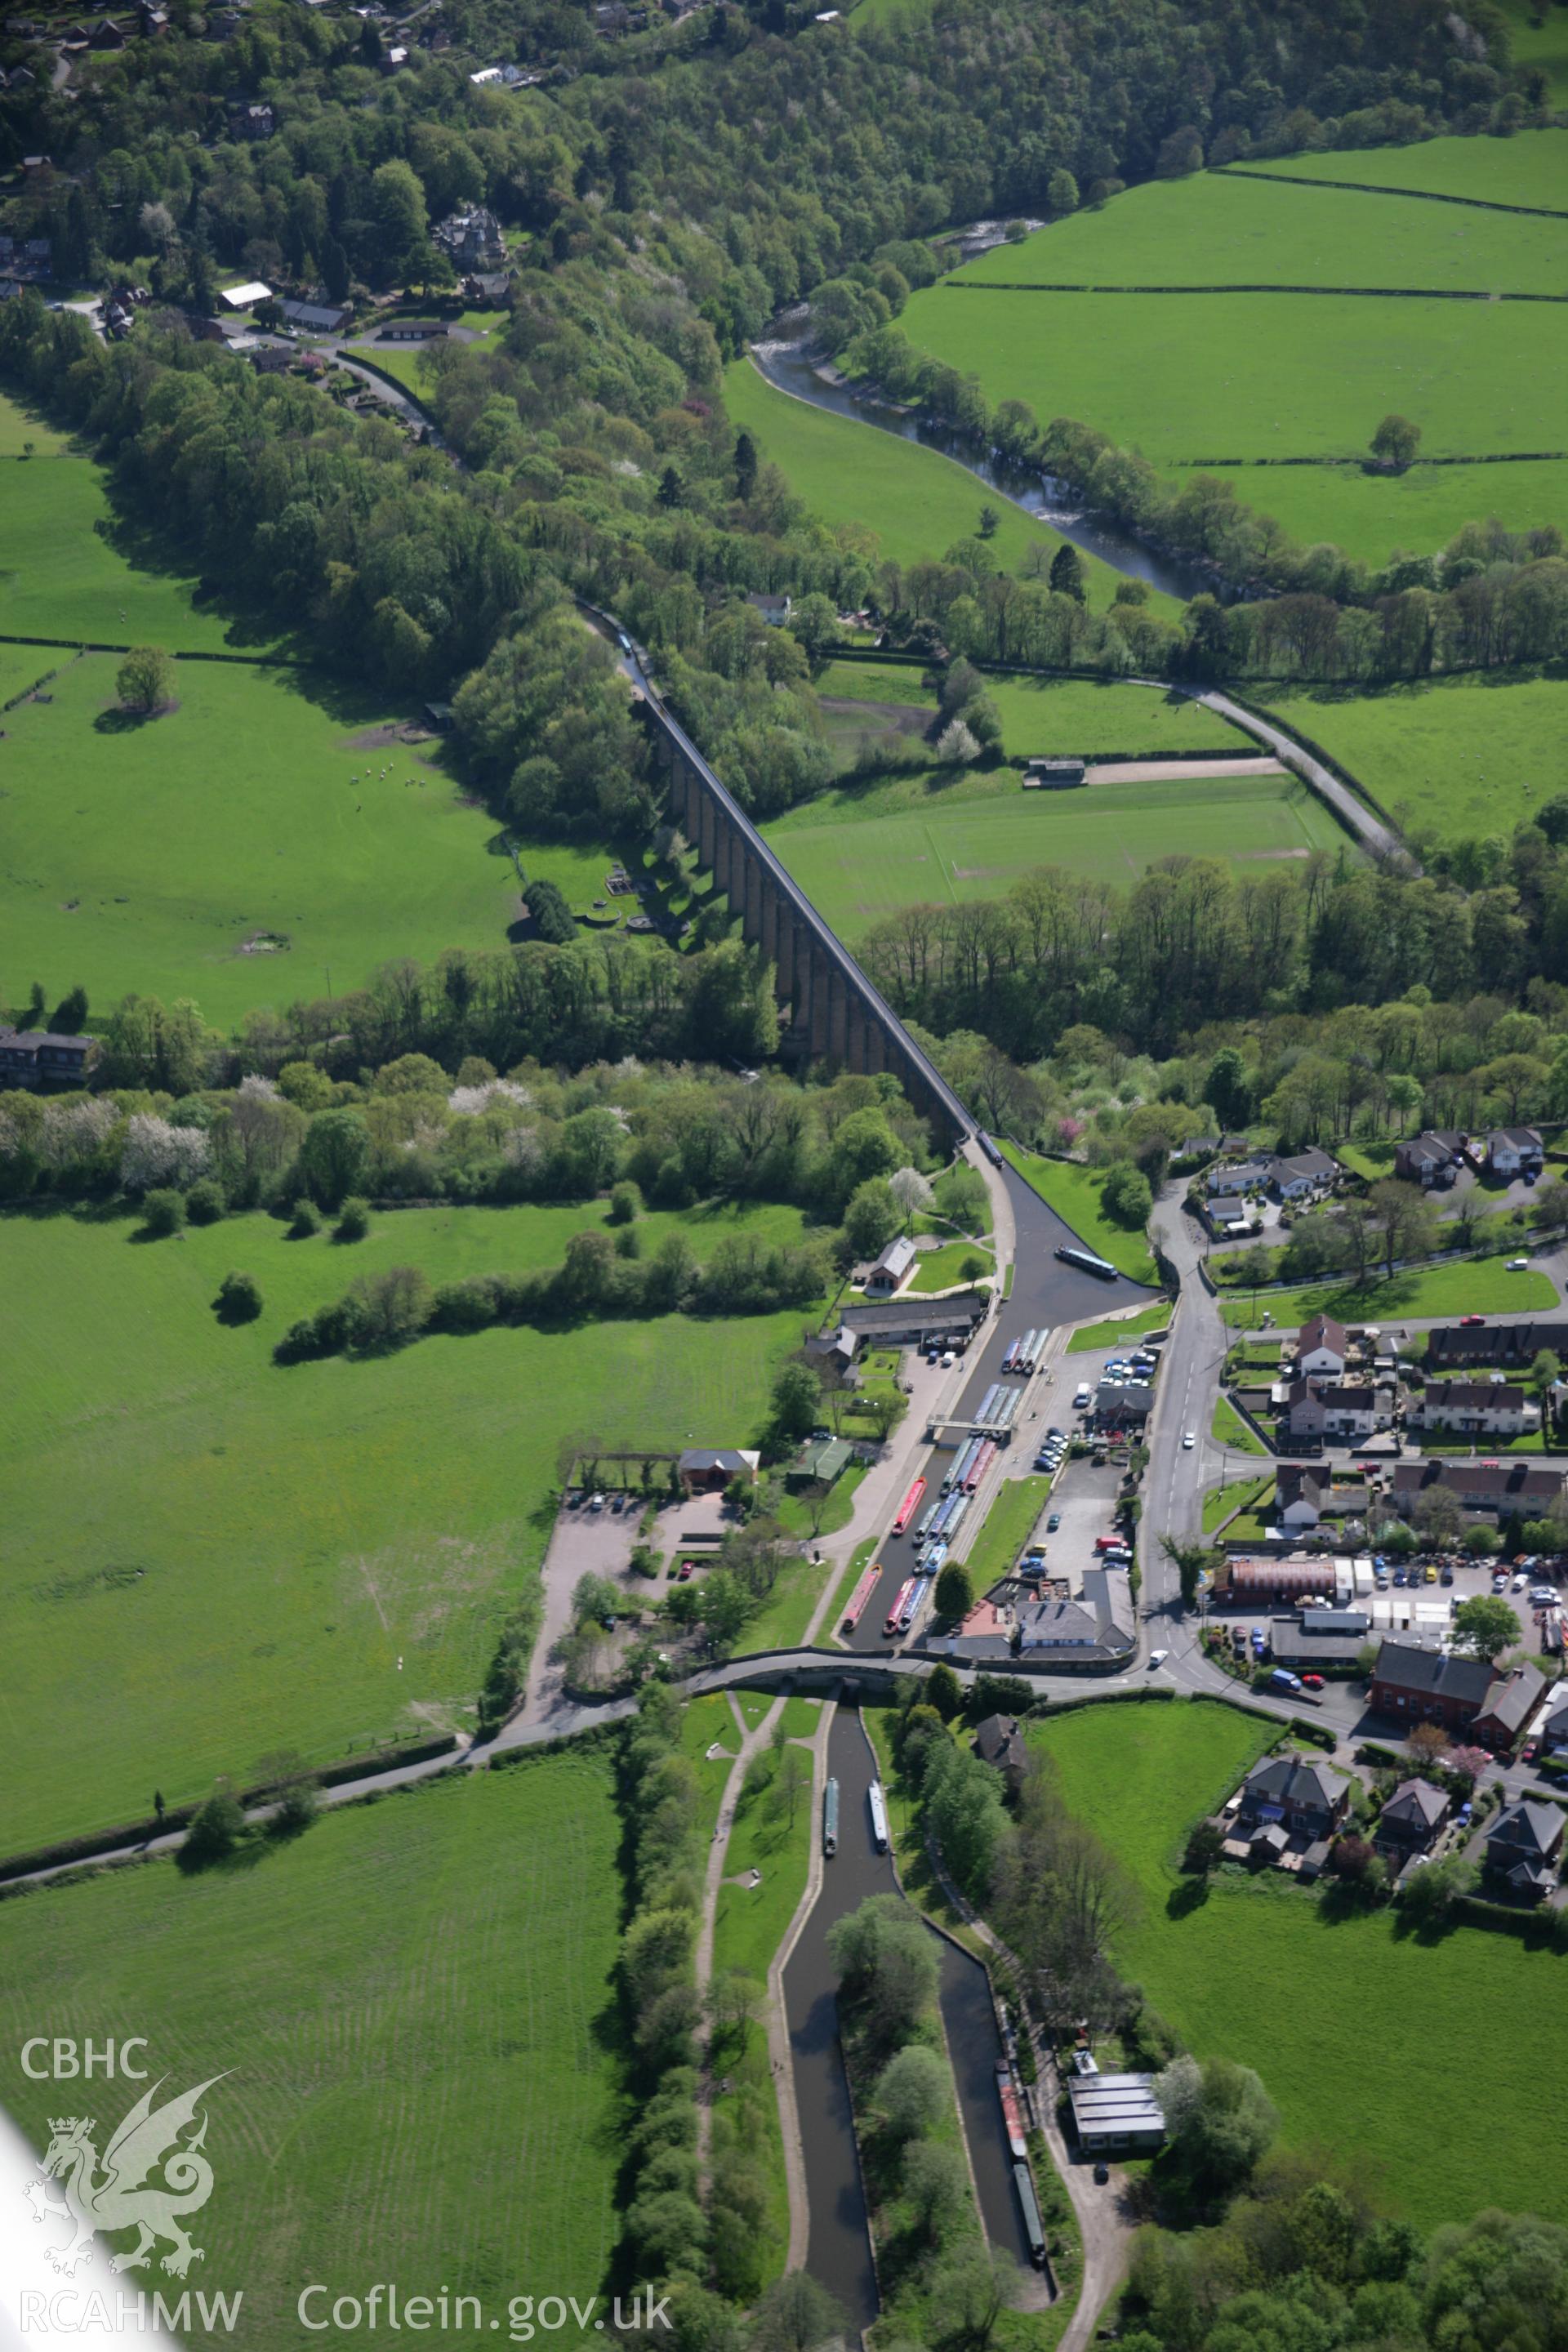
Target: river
x,y
792,369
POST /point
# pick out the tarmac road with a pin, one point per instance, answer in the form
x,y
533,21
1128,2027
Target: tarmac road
x,y
1045,1292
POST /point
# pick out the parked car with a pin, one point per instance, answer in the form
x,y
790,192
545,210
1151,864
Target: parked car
x,y
1518,1264
1102,2175
1283,1679
1053,1523
1312,1682
1444,1574
1519,1584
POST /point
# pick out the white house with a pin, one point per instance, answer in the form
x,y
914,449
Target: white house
x,y
1299,1495
1319,1408
1514,1151
1308,1172
1321,1347
1475,1409
1239,1176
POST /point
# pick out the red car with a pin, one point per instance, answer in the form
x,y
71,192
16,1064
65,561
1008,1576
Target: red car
x,y
1466,1320
684,1572
1312,1682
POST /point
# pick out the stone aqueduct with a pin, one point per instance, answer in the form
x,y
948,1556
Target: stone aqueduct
x,y
836,1015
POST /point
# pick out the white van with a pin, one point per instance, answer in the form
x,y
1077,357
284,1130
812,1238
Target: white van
x,y
1081,1396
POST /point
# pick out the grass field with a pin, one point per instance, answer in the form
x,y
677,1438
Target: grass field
x,y
1304,374
1471,1287
19,426
1092,718
68,569
1229,1429
1335,2052
145,855
1530,168
1009,1523
1242,1494
1074,1194
1538,35
1455,756
862,854
943,1268
1188,377
915,501
1215,230
1370,515
316,1557
415,2004
1126,1327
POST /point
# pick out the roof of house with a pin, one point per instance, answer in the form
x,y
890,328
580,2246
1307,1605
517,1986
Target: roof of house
x,y
241,298
1299,1481
1335,1620
1108,1592
1294,1780
1415,1804
1321,1332
1511,1701
1432,1143
1436,1673
316,314
1069,1623
732,1458
998,1740
30,1040
1522,1138
1506,1481
1471,1395
958,1314
1115,2102
1314,1163
1293,1646
897,1258
1528,1828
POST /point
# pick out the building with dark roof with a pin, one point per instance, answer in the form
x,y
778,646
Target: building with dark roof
x,y
1429,1158
1506,1489
894,1266
1321,1346
1304,1798
1523,1848
1509,1704
41,1058
1452,1346
999,1741
1411,1819
1474,1409
912,1321
708,1469
1419,1685
318,317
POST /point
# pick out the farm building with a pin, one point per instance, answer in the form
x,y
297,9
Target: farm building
x,y
821,1459
1053,775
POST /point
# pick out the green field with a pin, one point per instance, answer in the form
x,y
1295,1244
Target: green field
x,y
1199,376
1127,1327
1455,756
861,856
1530,168
1539,35
1189,378
943,1268
415,2004
1370,515
145,855
1229,1429
316,1557
1325,2012
915,501
1092,718
1009,1523
61,575
1215,230
19,426
1471,1287
1073,1191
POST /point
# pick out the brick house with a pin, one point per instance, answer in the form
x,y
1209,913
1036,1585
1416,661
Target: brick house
x,y
1417,1685
708,1469
1304,1798
1411,1819
1509,1704
1524,1846
999,1741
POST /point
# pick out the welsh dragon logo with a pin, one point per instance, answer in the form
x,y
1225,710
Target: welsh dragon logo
x,y
124,2194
